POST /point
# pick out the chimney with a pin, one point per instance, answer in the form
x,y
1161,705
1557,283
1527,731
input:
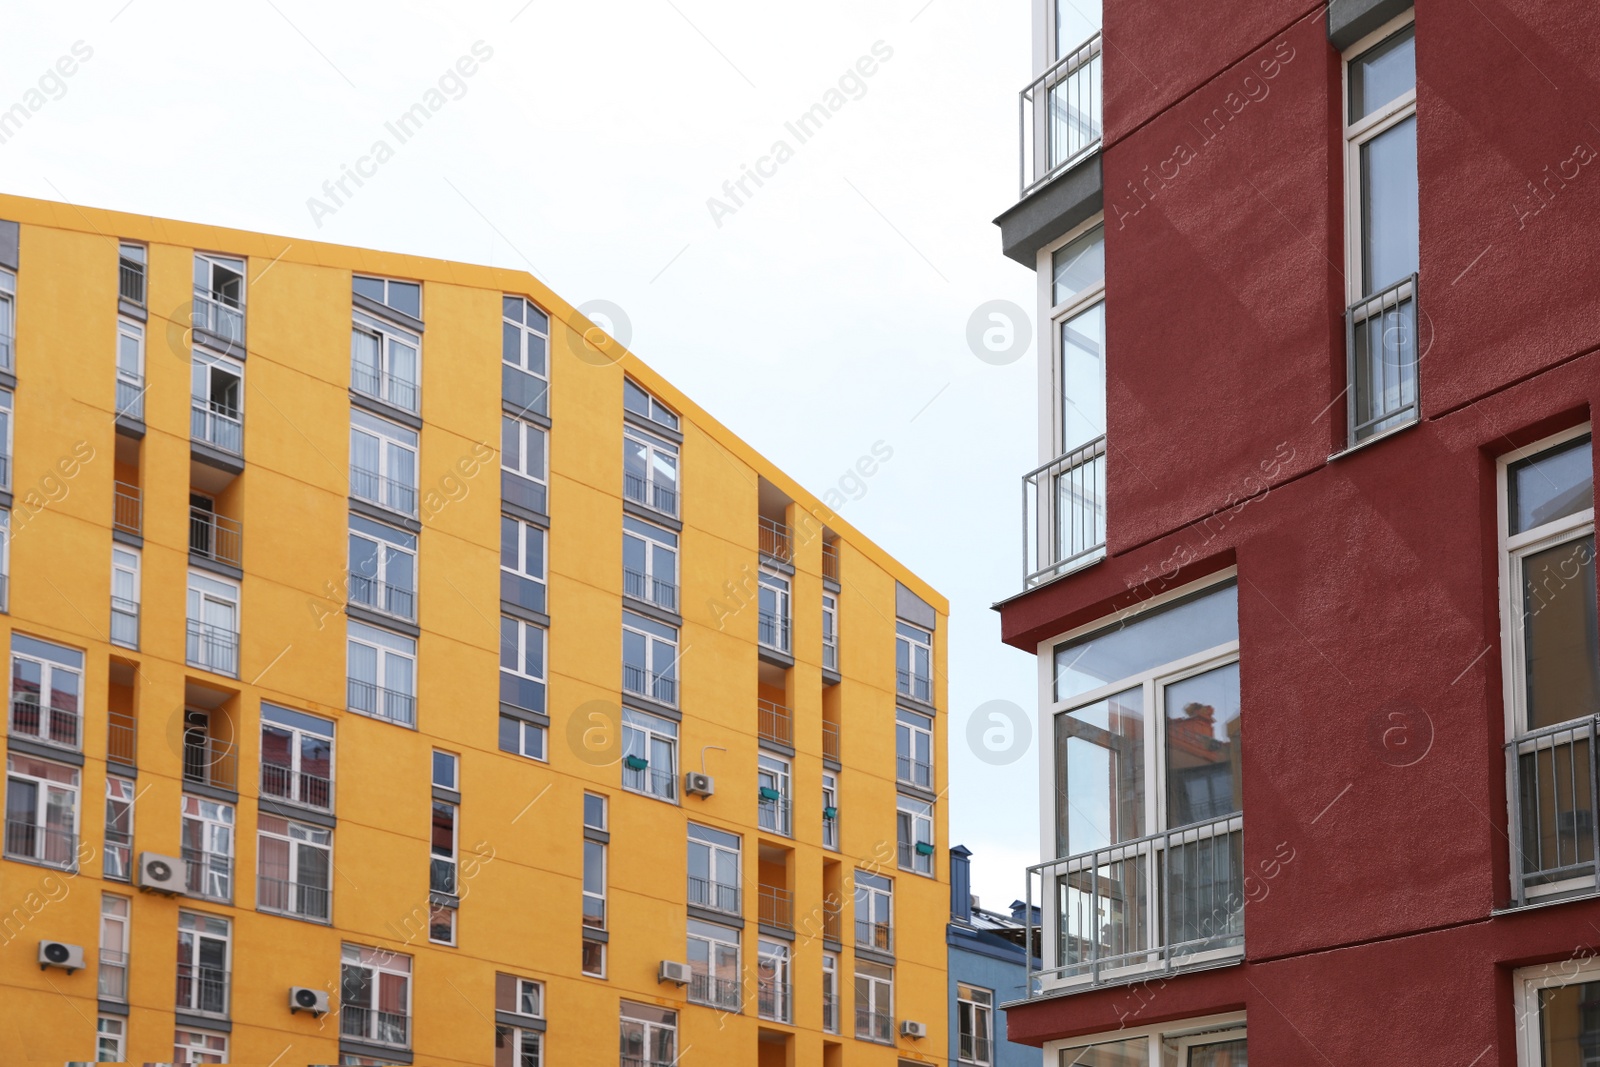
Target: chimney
x,y
961,884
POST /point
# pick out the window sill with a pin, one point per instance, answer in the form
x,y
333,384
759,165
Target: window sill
x,y
1554,899
653,796
312,919
386,409
1375,438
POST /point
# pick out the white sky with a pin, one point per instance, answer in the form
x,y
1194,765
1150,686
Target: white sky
x,y
827,313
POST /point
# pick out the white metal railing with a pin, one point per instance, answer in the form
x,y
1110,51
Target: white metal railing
x,y
1064,513
216,537
219,317
392,493
1381,353
383,385
218,426
773,539
130,398
213,648
1060,116
1151,905
1555,838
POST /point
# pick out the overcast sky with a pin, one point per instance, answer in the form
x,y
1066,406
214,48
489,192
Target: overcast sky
x,y
822,311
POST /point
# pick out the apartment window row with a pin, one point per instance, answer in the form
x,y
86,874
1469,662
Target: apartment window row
x,y
444,851
596,844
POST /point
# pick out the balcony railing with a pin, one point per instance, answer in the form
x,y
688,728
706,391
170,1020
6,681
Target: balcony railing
x,y
1555,837
382,385
213,648
974,1048
773,540
121,739
1064,513
830,740
774,999
292,898
915,685
218,317
130,282
1060,116
210,761
650,780
649,588
218,426
124,622
297,787
775,907
715,992
368,1024
368,698
52,725
1381,347
127,509
830,560
208,874
774,723
647,1061
203,990
130,398
647,491
914,772
385,492
830,1013
874,1025
717,896
772,630
216,537
773,814
26,840
1155,904
876,936
636,679
381,596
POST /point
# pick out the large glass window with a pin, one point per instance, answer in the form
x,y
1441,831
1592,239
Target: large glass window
x,y
384,362
975,1025
522,647
124,596
649,658
913,659
525,343
641,403
46,692
130,368
383,568
914,833
774,991
404,297
383,672
118,859
217,402
874,1002
773,620
522,999
296,757
649,754
913,748
294,868
713,965
219,294
650,471
375,996
523,452
714,869
830,810
383,463
594,884
649,1035
113,947
522,564
1558,1014
874,912
830,632
205,954
208,847
773,793
649,563
1219,1043
41,811
8,319
213,624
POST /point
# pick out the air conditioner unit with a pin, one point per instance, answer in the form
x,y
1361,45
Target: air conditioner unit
x,y
60,954
908,1028
676,973
313,1000
699,785
164,874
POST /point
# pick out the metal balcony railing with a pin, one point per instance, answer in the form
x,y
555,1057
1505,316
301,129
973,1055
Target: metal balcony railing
x,y
877,936
1064,513
383,385
830,740
773,540
874,1025
974,1049
773,814
649,780
121,739
210,761
218,316
774,999
914,772
915,685
1155,904
130,398
26,840
217,425
130,281
773,722
775,907
117,862
216,537
1381,350
202,990
292,898
124,622
717,896
1555,837
649,588
383,491
830,560
647,1061
380,1027
381,596
830,1013
772,630
636,679
213,648
833,921
208,874
647,491
369,698
285,783
113,975
1059,116
127,509
714,992
51,725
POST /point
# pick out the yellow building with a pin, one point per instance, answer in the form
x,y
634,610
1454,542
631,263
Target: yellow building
x,y
356,717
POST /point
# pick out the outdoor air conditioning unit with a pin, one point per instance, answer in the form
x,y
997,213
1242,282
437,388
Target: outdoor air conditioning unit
x,y
676,973
60,954
908,1028
697,784
313,1000
164,874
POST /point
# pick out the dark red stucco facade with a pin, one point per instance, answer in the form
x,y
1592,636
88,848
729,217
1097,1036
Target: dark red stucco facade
x,y
1367,583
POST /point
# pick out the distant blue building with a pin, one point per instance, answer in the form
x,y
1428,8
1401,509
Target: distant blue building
x,y
988,967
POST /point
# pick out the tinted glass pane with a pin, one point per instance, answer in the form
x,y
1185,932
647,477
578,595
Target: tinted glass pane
x,y
1560,633
1383,73
371,288
406,297
1147,641
1389,206
1204,747
1551,485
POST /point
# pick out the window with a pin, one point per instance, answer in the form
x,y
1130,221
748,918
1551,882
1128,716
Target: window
x,y
594,812
383,362
124,596
1558,1014
594,958
830,632
830,810
874,1002
111,1034
974,1024
525,342
383,671
713,965
1383,250
445,769
649,754
1553,669
294,866
649,563
113,947
217,402
650,471
443,856
594,884
5,559
213,638
1215,1042
383,568
6,408
404,297
131,273
383,463
8,319
198,1046
773,621
830,993
913,658
119,829
375,996
208,758
1145,880
518,1045
914,833
521,664
130,368
773,794
46,692
649,1036
296,757
874,912
208,847
774,992
644,405
649,658
41,811
522,738
913,748
441,922
522,564
522,461
205,954
714,866
219,292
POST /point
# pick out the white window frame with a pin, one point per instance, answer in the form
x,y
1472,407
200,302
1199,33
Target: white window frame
x,y
649,1028
382,653
440,759
643,731
211,1047
288,721
525,992
830,988
217,825
1526,985
830,632
131,330
112,1029
119,792
718,852
912,647
391,547
1184,1033
913,732
599,972
657,412
522,647
967,996
8,319
376,962
1357,134
524,432
526,534
526,729
386,283
830,799
7,422
879,1000
775,772
116,929
658,453
125,565
44,787
774,955
5,560
48,669
527,363
655,541
204,405
392,440
874,906
190,922
918,815
593,848
783,613
295,836
715,936
657,647
448,861
605,812
391,387
205,592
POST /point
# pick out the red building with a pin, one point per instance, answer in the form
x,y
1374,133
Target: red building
x,y
1310,558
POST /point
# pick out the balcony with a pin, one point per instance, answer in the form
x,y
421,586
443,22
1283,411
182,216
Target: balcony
x,y
774,1000
830,1013
127,509
1064,514
210,761
650,589
130,399
293,898
772,630
215,537
130,282
1153,905
714,895
1555,838
385,386
208,874
121,739
281,782
52,726
874,1025
647,683
372,699
1381,347
875,936
213,648
124,622
773,723
381,596
830,741
202,990
390,493
775,908
773,540
220,317
378,1027
1059,114
714,992
640,777
772,812
830,561
26,840
217,426
648,492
